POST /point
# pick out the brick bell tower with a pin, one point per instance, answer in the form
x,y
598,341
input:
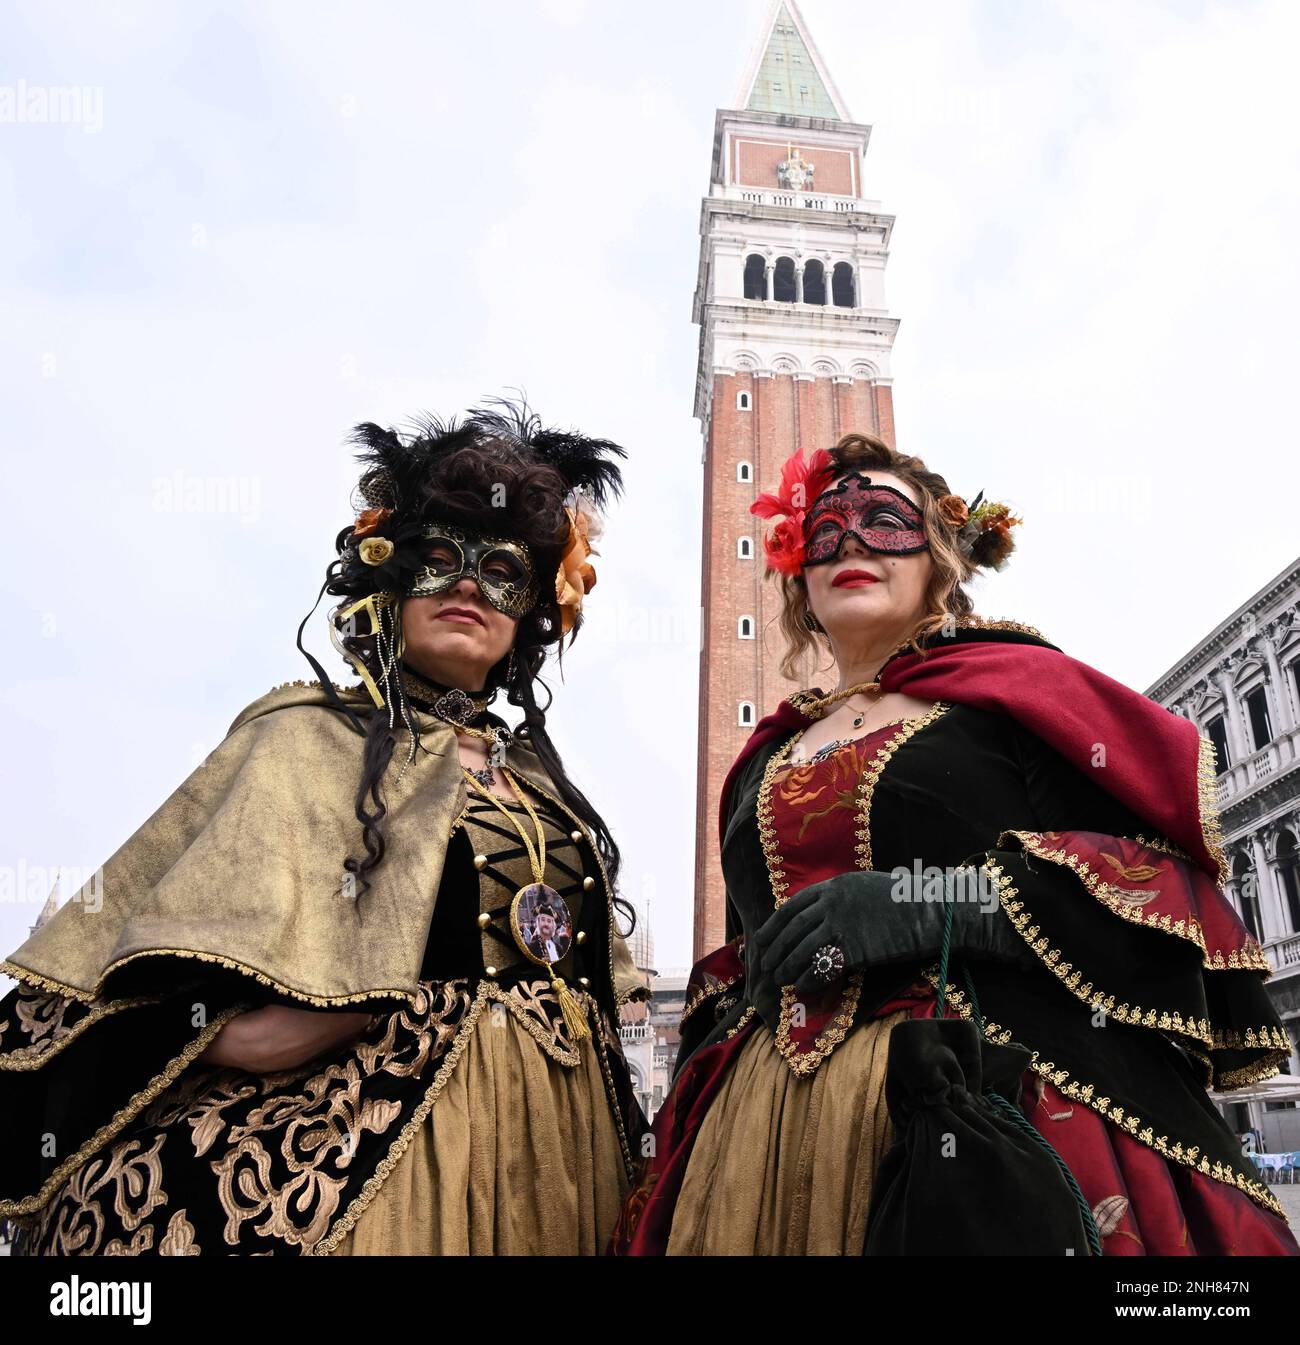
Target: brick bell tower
x,y
795,341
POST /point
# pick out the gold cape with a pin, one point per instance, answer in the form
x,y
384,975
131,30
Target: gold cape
x,y
243,866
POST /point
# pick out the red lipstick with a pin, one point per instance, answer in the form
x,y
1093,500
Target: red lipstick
x,y
461,615
853,579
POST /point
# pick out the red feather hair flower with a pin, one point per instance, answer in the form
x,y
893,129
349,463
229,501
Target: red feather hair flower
x,y
802,481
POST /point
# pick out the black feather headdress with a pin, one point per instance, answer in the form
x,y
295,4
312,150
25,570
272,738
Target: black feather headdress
x,y
499,472
582,461
396,471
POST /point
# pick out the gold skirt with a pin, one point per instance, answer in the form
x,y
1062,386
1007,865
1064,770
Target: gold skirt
x,y
519,1156
784,1163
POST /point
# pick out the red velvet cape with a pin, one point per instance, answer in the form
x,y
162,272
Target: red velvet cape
x,y
1156,762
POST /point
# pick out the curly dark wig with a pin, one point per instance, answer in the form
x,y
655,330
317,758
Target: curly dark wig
x,y
499,473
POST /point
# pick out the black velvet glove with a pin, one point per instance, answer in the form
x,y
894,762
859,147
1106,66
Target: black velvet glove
x,y
860,914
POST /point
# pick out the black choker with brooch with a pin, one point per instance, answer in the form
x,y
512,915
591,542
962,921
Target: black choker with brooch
x,y
461,710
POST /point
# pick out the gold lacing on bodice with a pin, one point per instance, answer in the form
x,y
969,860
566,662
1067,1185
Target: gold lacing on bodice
x,y
502,868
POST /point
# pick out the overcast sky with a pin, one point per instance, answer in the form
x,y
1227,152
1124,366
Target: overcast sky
x,y
272,222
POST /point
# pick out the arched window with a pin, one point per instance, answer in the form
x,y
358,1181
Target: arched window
x,y
745,548
745,628
814,282
842,286
746,714
742,401
755,276
744,472
783,280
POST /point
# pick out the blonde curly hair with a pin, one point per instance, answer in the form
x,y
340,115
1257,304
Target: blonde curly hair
x,y
945,597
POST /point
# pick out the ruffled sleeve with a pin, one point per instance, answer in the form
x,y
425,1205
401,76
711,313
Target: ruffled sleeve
x,y
1129,924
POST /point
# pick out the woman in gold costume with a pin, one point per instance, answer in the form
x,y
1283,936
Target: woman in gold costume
x,y
354,987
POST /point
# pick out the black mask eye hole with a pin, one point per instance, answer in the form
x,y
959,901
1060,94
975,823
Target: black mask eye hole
x,y
443,558
503,566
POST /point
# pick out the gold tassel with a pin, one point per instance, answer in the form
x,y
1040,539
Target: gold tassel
x,y
574,1018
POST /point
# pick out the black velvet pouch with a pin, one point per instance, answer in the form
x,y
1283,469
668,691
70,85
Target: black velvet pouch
x,y
962,1177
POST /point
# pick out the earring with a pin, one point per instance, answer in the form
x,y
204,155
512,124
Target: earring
x,y
510,669
810,622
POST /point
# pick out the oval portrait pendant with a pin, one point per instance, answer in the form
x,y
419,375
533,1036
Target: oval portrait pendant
x,y
542,926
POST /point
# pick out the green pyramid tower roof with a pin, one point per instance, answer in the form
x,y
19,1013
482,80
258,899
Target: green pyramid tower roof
x,y
789,75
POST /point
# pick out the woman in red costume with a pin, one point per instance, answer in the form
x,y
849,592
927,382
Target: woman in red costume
x,y
965,773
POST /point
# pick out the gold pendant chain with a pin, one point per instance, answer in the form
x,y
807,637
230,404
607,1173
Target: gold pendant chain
x,y
571,1009
819,707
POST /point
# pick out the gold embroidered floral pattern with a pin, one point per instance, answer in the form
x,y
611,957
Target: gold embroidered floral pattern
x,y
537,1008
119,1190
805,785
272,1156
19,1209
46,1021
1127,905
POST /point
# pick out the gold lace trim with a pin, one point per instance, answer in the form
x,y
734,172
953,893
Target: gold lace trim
x,y
973,621
1208,794
88,996
343,1225
826,1040
1165,846
551,1044
704,994
867,784
1133,1125
1111,895
1164,1020
122,1118
767,824
611,1092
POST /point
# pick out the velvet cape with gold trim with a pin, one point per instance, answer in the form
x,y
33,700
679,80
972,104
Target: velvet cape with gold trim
x,y
230,896
1111,875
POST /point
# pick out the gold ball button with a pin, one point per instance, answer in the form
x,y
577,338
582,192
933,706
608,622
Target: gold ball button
x,y
480,861
582,936
484,920
583,981
575,836
489,971
588,883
